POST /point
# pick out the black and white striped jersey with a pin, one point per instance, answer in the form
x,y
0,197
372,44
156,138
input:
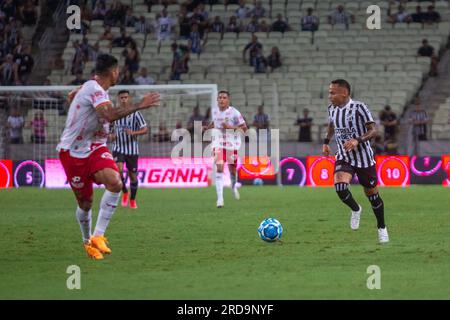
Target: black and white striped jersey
x,y
124,143
349,123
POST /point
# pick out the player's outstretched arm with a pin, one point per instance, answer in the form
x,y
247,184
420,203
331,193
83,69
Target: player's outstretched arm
x,y
110,114
326,150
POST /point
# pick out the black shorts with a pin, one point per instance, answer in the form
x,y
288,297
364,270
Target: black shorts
x,y
367,176
130,160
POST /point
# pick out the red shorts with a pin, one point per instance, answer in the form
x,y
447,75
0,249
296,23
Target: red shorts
x,y
222,155
80,171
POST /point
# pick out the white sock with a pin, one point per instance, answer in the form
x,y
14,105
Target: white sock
x,y
219,185
107,207
85,221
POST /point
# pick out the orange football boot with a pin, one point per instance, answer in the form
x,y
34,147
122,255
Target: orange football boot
x,y
100,242
92,252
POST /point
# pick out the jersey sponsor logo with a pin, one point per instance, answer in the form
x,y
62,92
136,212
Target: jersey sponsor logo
x,y
345,133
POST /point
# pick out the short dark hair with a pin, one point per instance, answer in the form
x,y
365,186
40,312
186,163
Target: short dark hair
x,y
342,83
123,91
224,91
104,63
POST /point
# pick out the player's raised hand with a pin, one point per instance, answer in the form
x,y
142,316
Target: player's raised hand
x,y
150,100
350,144
326,150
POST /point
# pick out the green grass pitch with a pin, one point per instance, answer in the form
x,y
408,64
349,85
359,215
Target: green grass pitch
x,y
177,245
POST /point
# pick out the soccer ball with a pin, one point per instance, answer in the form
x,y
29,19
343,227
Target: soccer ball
x,y
270,230
258,182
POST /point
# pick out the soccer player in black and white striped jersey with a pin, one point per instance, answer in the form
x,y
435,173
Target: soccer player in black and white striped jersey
x,y
125,146
353,126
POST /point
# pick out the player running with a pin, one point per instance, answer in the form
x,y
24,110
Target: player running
x,y
84,155
353,125
227,119
125,146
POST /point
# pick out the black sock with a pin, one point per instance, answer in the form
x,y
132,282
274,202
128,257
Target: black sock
x,y
378,209
124,186
133,187
346,196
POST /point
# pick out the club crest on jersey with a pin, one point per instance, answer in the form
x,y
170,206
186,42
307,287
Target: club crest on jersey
x,y
76,182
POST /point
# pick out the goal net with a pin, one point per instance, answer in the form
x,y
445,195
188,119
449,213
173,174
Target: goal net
x,y
48,104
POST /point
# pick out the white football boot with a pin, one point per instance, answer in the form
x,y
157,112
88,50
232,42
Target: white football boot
x,y
220,203
383,236
354,219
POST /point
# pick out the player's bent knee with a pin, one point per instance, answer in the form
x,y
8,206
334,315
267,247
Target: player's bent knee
x,y
85,205
114,186
370,191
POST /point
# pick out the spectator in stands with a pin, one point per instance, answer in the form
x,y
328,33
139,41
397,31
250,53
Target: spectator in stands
x,y
243,11
144,78
234,25
142,26
260,61
389,120
280,25
163,134
261,120
85,47
340,17
419,16
8,71
258,10
252,47
432,16
94,52
180,61
378,146
195,41
201,11
15,125
400,16
253,25
28,13
309,22
198,17
419,121
427,50
217,26
123,40
99,11
107,34
184,25
130,20
263,26
132,57
164,26
38,125
274,59
196,116
78,81
305,123
25,63
127,78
